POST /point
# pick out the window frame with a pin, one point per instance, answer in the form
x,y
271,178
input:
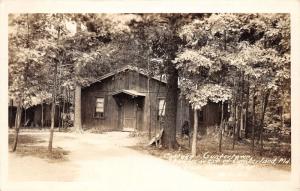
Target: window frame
x,y
164,107
99,115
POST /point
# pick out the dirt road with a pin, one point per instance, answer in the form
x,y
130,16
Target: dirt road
x,y
107,161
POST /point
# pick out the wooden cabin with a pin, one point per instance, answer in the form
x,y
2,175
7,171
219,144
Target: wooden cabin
x,y
36,115
210,115
32,116
121,100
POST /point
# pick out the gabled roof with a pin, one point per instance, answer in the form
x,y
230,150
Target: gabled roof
x,y
123,69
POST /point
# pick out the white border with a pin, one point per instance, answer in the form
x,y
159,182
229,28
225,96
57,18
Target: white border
x,y
154,6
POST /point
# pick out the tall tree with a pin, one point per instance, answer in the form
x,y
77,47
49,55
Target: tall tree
x,y
24,62
162,37
90,49
58,23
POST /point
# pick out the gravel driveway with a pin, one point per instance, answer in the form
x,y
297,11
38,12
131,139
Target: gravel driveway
x,y
105,161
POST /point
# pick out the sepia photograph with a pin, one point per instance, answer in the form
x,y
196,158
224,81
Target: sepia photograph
x,y
149,101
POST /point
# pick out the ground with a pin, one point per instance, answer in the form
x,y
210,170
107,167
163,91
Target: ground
x,y
112,160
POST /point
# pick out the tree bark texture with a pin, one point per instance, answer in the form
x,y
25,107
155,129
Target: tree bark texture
x,y
42,119
195,132
234,115
77,97
253,120
63,109
53,110
169,137
77,111
20,99
264,108
240,106
17,126
221,127
53,100
247,130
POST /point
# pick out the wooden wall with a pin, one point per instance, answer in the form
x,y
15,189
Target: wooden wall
x,y
126,80
34,115
209,116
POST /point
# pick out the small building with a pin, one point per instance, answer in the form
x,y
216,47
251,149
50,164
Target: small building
x,y
210,115
32,116
121,100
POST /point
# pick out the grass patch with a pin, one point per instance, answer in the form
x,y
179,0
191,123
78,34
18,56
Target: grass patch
x,y
57,154
209,144
25,139
26,147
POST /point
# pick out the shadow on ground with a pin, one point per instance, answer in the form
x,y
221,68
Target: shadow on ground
x,y
28,146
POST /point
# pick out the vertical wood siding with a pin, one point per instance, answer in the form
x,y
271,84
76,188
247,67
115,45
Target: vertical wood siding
x,y
126,80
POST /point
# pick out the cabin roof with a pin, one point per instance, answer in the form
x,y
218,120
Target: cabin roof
x,y
129,92
127,67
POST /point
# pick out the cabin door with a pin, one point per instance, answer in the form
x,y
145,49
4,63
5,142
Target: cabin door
x,y
129,115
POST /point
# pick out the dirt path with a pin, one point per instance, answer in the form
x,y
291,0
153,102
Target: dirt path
x,y
107,160
95,157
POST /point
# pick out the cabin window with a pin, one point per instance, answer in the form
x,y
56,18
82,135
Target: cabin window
x,y
99,111
161,107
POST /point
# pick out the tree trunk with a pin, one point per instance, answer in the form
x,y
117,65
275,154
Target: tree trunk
x,y
42,120
24,122
17,125
77,97
247,110
234,126
68,100
157,112
149,98
20,100
59,116
253,120
240,106
10,113
195,132
77,111
53,110
63,109
282,110
52,127
234,115
221,127
265,104
149,104
53,101
169,137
